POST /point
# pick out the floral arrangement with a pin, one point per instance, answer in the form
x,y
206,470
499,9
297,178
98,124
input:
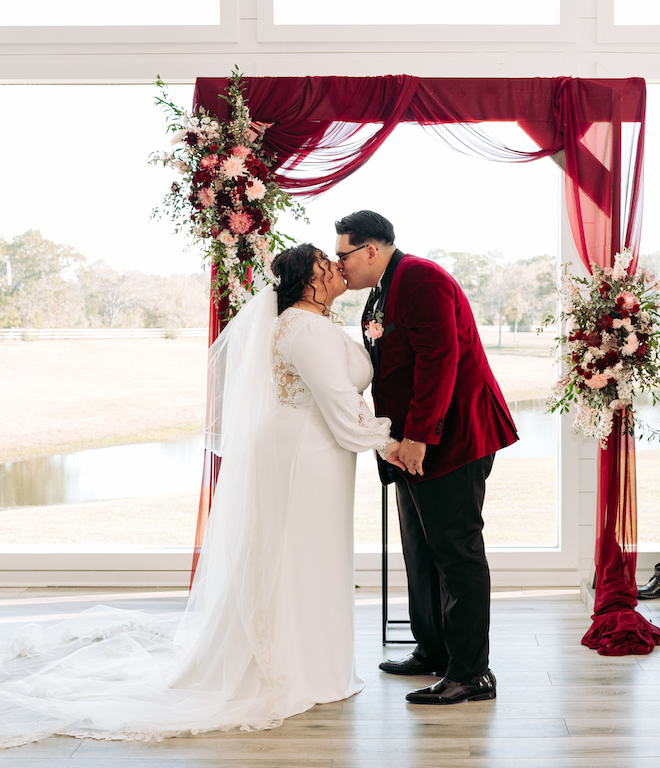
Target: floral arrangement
x,y
227,200
373,327
610,345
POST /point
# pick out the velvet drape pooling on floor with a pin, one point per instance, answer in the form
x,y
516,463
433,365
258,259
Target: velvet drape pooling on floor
x,y
322,129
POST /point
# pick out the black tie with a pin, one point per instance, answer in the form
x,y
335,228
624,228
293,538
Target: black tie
x,y
371,302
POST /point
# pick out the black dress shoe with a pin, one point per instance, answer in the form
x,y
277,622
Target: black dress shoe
x,y
408,666
652,589
452,692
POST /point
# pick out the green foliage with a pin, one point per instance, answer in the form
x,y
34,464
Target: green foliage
x,y
42,283
519,293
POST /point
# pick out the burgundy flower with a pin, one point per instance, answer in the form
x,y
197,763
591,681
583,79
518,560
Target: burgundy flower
x,y
625,313
265,227
214,148
611,358
604,322
642,349
593,339
191,138
588,374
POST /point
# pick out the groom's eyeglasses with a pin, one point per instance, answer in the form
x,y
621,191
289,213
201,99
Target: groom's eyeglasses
x,y
343,256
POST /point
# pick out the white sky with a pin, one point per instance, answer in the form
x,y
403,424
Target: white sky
x,y
75,167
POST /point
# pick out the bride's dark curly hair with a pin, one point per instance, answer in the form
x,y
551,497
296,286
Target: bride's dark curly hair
x,y
294,268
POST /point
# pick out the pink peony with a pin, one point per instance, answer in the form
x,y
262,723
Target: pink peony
x,y
628,300
255,189
240,222
233,167
241,151
206,197
597,381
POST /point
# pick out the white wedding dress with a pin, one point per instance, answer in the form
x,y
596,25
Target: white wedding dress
x,y
268,629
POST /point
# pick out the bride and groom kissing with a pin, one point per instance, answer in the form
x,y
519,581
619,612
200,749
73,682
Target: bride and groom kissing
x,y
267,631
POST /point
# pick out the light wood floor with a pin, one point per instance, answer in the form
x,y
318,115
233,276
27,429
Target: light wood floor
x,y
558,704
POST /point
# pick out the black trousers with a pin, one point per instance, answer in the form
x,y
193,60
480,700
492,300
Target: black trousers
x,y
448,576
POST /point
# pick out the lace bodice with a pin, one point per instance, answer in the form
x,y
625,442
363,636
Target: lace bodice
x,y
317,366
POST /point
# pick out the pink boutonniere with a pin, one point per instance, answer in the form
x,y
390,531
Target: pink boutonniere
x,y
373,331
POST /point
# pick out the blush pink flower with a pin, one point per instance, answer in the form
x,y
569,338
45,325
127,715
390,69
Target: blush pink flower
x,y
233,167
597,381
227,238
240,222
608,271
631,345
373,330
629,300
210,161
241,151
255,189
206,197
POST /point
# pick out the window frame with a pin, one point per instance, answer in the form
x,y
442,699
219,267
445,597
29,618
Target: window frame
x,y
564,32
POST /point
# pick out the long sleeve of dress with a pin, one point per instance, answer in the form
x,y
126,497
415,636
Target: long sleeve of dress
x,y
321,357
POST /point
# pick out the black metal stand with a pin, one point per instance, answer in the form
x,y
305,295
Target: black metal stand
x,y
384,567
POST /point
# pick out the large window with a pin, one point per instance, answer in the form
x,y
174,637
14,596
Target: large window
x,y
70,13
636,12
101,439
417,12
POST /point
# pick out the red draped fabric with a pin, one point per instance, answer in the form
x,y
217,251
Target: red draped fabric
x,y
322,129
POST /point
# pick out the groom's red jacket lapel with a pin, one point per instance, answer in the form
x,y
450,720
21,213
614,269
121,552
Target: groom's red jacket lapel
x,y
432,377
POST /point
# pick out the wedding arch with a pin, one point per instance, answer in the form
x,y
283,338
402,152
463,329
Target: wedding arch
x,y
594,129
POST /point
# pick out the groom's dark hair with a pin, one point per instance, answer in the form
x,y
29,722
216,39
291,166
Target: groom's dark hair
x,y
363,226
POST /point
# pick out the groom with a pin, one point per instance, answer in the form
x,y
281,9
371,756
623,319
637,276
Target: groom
x,y
432,379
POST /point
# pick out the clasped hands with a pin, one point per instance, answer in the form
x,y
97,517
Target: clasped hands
x,y
407,455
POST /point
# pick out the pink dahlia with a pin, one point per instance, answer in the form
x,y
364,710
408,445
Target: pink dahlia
x,y
255,189
233,167
206,197
241,151
240,222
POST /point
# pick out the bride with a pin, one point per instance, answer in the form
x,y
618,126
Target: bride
x,y
268,628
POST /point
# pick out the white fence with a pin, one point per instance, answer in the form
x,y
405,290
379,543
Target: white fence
x,y
58,334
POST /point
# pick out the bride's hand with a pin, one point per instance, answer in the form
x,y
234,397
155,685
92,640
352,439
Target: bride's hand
x,y
391,453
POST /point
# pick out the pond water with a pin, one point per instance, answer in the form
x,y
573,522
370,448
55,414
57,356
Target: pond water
x,y
127,471
118,472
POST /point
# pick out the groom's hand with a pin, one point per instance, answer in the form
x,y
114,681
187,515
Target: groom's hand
x,y
412,455
391,454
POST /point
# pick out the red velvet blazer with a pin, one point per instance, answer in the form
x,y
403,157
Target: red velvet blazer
x,y
432,377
